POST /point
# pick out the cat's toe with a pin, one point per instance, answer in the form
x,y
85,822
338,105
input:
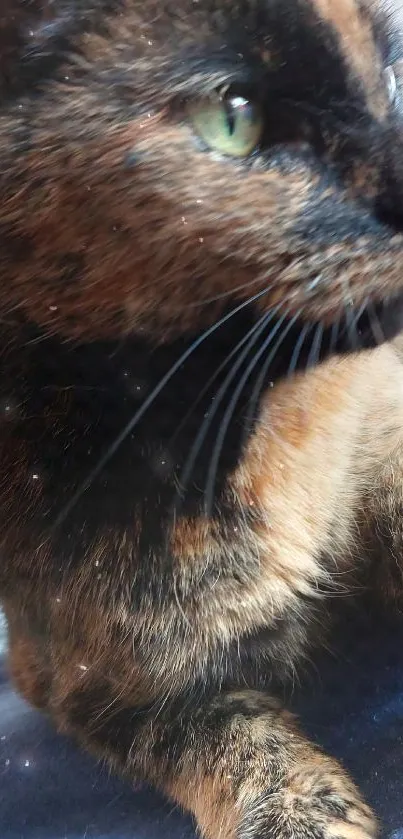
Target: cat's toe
x,y
316,801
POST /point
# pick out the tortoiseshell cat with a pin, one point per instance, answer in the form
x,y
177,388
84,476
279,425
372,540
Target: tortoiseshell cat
x,y
201,403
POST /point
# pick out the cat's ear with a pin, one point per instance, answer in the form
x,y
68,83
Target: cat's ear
x,y
34,36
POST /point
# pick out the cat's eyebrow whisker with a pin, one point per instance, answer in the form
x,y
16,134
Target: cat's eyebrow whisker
x,y
133,422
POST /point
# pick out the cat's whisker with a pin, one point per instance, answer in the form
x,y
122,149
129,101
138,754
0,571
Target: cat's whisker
x,y
316,346
129,427
349,312
229,293
355,321
334,335
253,402
351,324
198,442
376,328
213,467
213,378
298,349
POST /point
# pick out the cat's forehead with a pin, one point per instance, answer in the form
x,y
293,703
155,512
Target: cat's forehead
x,y
310,44
354,24
306,46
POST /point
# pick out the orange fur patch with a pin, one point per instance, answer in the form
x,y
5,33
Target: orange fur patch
x,y
353,27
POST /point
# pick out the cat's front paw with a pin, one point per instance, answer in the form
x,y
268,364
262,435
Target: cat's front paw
x,y
316,800
247,772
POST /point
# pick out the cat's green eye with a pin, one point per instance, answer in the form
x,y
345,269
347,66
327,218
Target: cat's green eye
x,y
230,124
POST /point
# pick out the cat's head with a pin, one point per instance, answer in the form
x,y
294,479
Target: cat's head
x,y
161,160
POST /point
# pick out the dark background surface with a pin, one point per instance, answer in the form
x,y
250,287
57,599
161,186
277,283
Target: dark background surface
x,y
352,703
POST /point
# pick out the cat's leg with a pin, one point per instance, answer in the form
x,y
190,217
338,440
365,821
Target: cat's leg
x,y
237,761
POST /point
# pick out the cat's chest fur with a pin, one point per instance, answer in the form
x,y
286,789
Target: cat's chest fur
x,y
63,408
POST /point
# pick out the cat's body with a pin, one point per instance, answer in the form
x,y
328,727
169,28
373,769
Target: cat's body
x,y
194,457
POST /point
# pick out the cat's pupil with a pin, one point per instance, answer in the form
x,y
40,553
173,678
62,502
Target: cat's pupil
x,y
229,110
237,106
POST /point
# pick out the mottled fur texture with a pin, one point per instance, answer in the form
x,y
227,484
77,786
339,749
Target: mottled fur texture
x,y
201,394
